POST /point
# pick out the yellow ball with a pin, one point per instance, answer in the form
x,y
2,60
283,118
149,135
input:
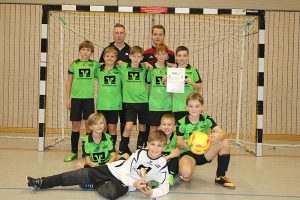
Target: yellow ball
x,y
199,143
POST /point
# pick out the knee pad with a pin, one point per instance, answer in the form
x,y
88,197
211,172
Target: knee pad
x,y
112,189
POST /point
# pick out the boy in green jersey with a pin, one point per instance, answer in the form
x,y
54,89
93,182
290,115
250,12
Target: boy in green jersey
x,y
192,82
196,120
97,147
160,102
135,98
109,97
80,93
171,152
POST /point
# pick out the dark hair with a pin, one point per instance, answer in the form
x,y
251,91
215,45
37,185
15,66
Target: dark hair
x,y
136,49
159,27
182,48
86,44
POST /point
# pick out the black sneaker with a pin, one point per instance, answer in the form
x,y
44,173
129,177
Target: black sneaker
x,y
34,183
225,182
125,150
88,186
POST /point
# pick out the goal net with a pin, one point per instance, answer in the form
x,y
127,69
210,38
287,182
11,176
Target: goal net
x,y
223,48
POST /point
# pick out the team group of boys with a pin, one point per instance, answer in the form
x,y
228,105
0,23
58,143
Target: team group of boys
x,y
125,75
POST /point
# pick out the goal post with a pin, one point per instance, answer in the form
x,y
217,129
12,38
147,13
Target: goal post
x,y
216,44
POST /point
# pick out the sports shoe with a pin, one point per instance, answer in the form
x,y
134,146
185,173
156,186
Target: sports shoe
x,y
34,183
88,186
126,150
225,182
171,180
69,157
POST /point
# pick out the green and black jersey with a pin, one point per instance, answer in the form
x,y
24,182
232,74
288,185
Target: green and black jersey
x,y
159,98
83,78
109,96
185,128
99,153
134,83
180,98
171,145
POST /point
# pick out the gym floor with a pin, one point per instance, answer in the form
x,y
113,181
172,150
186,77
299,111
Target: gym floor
x,y
273,176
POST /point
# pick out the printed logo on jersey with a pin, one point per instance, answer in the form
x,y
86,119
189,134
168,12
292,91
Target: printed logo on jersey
x,y
134,76
84,73
158,80
157,165
147,168
109,80
99,157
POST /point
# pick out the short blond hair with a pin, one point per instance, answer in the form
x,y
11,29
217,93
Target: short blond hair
x,y
168,116
194,96
119,25
110,50
96,117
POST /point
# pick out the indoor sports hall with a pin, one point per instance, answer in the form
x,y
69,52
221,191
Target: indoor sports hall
x,y
247,54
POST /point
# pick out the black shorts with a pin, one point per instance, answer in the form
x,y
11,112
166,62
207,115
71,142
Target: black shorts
x,y
179,115
200,159
134,110
111,116
155,117
81,109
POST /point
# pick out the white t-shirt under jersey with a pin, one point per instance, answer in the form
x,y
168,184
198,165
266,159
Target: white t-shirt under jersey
x,y
157,169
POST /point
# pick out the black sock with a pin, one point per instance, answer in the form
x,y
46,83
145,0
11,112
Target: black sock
x,y
123,147
140,140
114,139
173,166
223,162
74,141
146,135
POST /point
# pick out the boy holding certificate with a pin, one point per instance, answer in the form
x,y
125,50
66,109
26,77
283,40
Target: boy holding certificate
x,y
192,82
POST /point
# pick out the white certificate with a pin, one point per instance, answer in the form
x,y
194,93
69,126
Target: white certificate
x,y
175,80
